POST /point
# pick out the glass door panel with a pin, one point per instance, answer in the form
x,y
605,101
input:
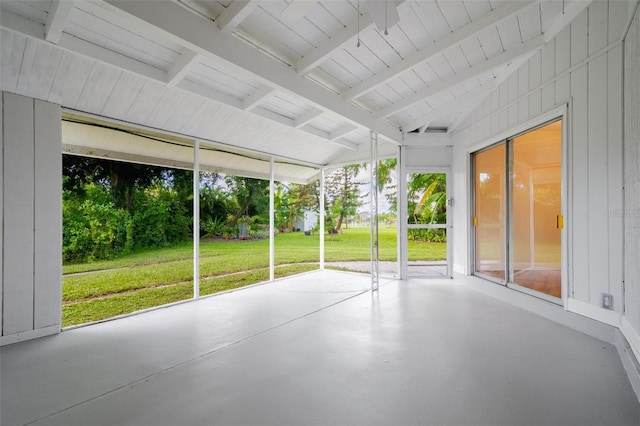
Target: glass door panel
x,y
536,190
427,225
490,219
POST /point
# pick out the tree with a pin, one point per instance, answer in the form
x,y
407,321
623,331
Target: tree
x,y
292,201
386,182
251,196
342,193
121,178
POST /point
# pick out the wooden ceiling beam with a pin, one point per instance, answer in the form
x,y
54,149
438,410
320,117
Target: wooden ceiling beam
x,y
491,19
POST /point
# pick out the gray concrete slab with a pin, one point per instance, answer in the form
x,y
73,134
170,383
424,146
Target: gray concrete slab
x,y
319,349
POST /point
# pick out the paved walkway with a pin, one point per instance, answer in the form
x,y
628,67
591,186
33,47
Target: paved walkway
x,y
390,269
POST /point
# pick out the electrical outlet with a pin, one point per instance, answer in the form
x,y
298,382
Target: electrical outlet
x,y
607,301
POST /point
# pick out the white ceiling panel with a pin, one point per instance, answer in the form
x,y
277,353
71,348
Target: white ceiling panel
x,y
455,13
226,72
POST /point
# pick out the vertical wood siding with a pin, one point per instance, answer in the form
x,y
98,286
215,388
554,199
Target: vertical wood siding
x,y
632,174
583,64
31,213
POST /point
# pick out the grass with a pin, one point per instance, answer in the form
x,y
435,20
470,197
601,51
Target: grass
x,y
145,279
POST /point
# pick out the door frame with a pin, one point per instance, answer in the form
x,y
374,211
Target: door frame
x,y
403,216
562,112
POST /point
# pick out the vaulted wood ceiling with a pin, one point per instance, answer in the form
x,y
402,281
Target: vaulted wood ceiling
x,y
275,77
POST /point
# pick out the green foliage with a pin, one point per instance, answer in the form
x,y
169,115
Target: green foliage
x,y
342,193
93,228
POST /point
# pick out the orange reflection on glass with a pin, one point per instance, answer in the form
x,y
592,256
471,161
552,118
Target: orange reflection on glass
x,y
489,218
536,204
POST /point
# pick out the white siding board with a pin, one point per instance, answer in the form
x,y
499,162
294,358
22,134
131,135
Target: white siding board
x,y
579,186
74,80
618,15
12,48
632,174
579,37
188,107
18,214
122,95
201,119
102,79
548,96
548,59
615,169
563,50
144,103
598,19
535,103
161,113
25,67
513,87
1,208
563,89
48,215
597,179
523,110
523,80
41,79
535,71
513,115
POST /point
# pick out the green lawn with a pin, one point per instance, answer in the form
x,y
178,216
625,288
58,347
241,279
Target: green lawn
x,y
99,290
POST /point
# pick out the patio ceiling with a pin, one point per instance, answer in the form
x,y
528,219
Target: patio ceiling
x,y
282,78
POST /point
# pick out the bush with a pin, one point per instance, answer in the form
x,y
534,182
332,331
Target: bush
x,y
93,228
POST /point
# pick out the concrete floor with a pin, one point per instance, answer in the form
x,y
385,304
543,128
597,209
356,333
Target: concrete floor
x,y
320,349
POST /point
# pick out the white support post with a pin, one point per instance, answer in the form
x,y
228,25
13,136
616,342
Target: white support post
x,y
402,213
322,219
272,211
373,198
196,219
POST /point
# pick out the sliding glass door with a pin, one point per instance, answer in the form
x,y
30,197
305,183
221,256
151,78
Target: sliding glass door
x,y
518,211
490,217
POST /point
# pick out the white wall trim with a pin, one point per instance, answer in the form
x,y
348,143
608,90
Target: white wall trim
x,y
632,336
28,335
594,312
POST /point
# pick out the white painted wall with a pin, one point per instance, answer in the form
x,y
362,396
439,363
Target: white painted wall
x,y
581,68
631,320
31,213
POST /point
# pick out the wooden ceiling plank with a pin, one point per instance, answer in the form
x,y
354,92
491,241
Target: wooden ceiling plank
x,y
321,53
491,19
233,15
56,19
168,20
503,58
187,61
307,117
256,97
427,118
